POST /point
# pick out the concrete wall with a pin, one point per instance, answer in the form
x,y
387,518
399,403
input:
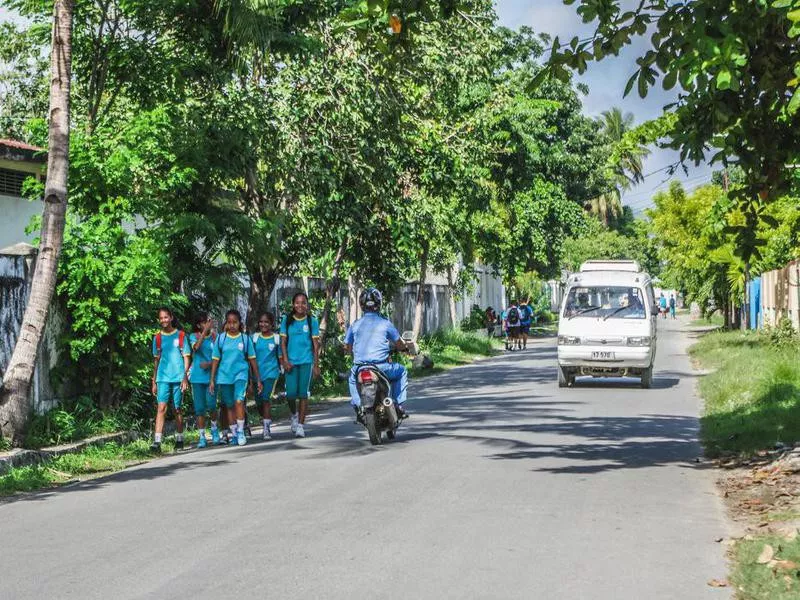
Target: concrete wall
x,y
780,295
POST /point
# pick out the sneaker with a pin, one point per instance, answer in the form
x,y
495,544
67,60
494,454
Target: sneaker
x,y
178,444
215,437
266,434
155,447
202,443
299,432
241,439
295,423
401,412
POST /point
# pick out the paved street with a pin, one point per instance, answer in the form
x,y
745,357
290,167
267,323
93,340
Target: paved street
x,y
502,486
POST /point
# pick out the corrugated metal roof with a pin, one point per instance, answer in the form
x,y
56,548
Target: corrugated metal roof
x,y
20,145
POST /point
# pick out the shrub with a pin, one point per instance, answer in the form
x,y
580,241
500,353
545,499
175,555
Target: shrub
x,y
475,320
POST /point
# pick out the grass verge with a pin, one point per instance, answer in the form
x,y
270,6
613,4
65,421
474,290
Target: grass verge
x,y
715,320
450,348
772,581
752,397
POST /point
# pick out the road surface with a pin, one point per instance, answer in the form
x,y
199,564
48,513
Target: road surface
x,y
502,486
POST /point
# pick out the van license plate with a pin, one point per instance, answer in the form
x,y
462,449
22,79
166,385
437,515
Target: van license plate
x,y
602,356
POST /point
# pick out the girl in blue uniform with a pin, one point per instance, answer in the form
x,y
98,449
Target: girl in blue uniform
x,y
268,353
170,369
202,342
300,354
232,358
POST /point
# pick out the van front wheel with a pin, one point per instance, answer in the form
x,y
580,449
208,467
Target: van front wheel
x,y
647,377
565,379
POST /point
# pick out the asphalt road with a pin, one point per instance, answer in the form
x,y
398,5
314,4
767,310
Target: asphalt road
x,y
501,486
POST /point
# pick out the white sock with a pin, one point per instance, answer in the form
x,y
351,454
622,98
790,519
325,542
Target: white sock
x,y
202,433
240,424
233,429
178,437
157,438
266,422
213,425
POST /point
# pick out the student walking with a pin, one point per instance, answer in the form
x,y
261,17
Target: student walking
x,y
672,306
232,358
511,321
170,369
300,356
202,341
268,356
662,305
525,321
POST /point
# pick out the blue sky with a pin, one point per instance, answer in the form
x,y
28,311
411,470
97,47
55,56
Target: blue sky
x,y
606,81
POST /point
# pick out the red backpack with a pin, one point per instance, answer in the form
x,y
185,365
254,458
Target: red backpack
x,y
181,337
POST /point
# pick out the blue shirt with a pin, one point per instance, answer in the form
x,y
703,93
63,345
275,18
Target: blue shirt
x,y
372,338
268,349
170,367
299,350
525,314
203,354
232,352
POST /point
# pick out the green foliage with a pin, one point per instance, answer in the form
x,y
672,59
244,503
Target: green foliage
x,y
781,335
598,243
755,581
475,320
453,347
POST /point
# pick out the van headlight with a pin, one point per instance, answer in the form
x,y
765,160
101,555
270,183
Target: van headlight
x,y
568,340
639,341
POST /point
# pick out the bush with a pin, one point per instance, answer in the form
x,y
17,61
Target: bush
x,y
475,320
782,335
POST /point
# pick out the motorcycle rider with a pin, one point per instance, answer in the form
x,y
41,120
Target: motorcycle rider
x,y
371,340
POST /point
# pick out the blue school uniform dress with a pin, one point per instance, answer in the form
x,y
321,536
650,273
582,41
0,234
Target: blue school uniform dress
x,y
170,367
268,352
199,377
300,333
233,372
372,338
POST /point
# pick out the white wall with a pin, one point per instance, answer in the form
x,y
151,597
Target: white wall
x,y
15,216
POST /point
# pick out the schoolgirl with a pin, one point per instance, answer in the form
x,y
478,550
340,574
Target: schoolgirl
x,y
171,355
232,358
300,357
202,341
268,353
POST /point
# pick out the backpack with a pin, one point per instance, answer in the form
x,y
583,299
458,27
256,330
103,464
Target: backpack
x,y
181,338
220,345
289,329
513,316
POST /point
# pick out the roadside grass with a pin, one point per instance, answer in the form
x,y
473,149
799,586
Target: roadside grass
x,y
753,581
714,320
752,396
450,348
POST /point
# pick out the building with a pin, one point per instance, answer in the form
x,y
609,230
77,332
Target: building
x,y
18,161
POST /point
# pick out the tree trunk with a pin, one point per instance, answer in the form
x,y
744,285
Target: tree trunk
x,y
14,408
451,298
419,309
262,282
331,288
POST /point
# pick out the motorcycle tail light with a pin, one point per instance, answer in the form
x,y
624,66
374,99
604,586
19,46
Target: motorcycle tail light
x,y
365,376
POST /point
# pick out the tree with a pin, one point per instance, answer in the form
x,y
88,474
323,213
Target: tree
x,y
14,408
739,89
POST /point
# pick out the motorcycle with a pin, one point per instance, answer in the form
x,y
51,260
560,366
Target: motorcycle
x,y
378,413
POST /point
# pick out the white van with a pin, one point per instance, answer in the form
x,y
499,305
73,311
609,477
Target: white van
x,y
607,325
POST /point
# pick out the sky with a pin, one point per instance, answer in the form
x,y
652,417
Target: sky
x,y
606,81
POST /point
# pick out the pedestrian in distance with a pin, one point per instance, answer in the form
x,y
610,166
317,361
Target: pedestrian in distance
x,y
232,360
662,305
300,355
512,325
171,355
526,318
491,319
268,356
202,341
672,306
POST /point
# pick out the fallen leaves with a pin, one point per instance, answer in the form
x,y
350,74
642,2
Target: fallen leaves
x,y
718,583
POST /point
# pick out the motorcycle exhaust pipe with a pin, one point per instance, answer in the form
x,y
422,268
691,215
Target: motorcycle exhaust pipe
x,y
391,412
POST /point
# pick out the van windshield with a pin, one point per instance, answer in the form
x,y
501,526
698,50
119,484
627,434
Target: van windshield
x,y
606,302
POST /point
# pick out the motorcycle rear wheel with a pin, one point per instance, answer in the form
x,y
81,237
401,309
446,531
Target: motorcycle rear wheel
x,y
372,429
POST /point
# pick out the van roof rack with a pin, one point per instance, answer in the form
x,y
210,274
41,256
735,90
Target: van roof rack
x,y
630,266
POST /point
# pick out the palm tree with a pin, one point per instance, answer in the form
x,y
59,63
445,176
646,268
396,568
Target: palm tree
x,y
626,171
15,392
